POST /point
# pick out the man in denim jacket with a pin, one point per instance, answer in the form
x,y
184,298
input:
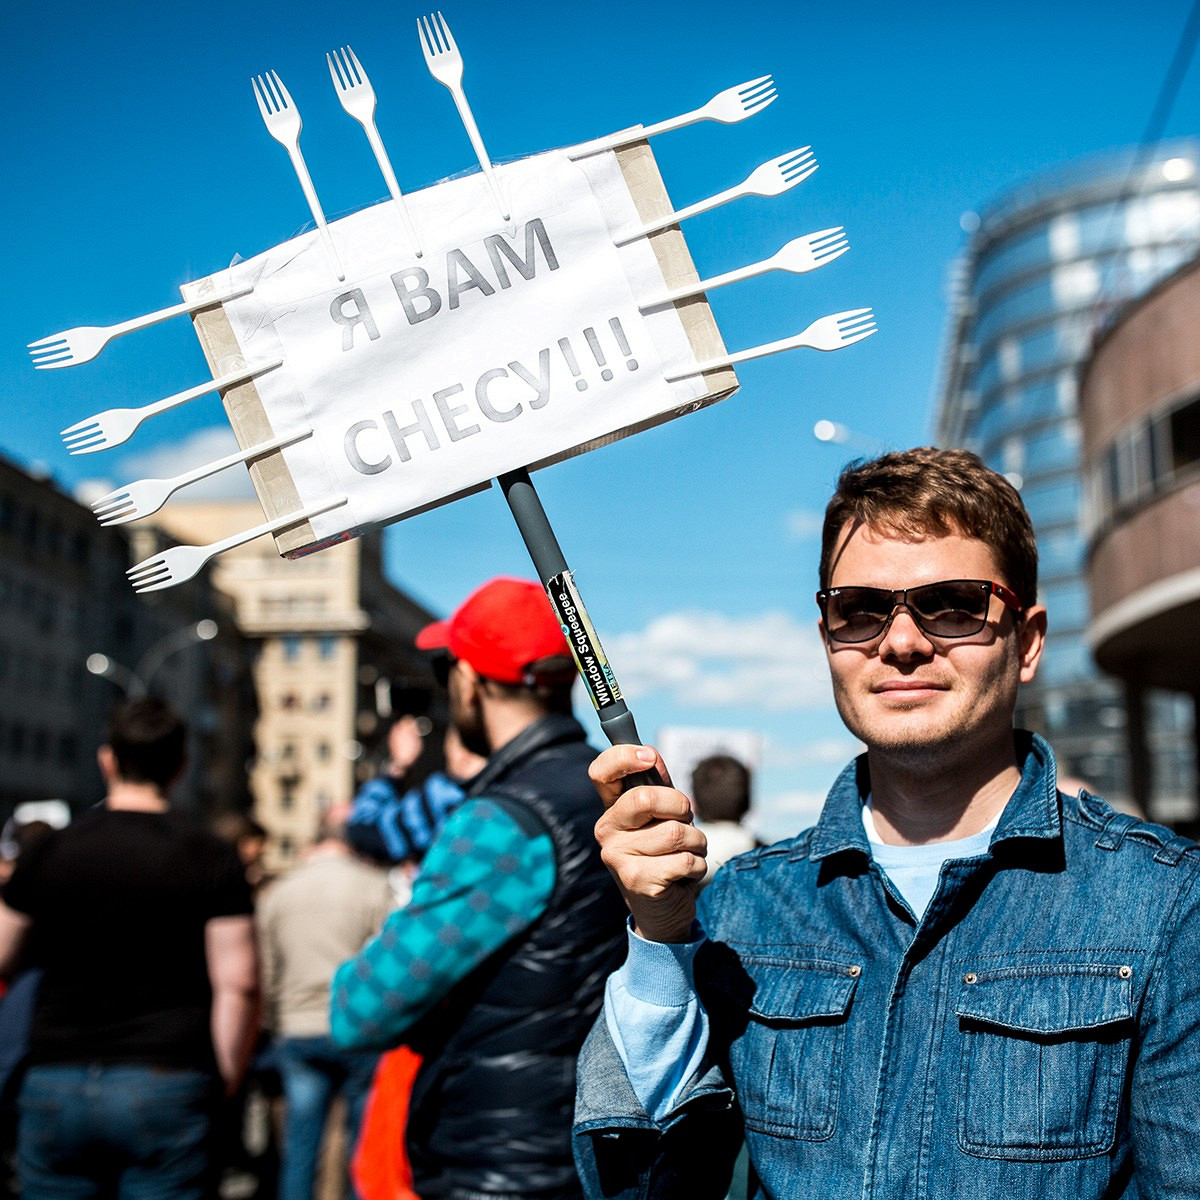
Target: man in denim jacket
x,y
961,982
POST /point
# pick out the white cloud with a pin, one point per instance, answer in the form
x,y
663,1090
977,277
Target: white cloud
x,y
804,524
786,814
203,446
767,662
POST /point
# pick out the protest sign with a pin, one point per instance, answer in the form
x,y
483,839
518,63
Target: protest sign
x,y
501,346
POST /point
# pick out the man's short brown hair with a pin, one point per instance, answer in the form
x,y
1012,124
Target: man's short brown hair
x,y
923,492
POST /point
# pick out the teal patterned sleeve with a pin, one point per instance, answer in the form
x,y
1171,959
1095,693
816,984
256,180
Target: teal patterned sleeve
x,y
483,881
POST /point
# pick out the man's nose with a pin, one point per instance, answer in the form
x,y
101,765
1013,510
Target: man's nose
x,y
903,638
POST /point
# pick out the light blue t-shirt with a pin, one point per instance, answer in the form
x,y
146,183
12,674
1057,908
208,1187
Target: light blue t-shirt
x,y
914,870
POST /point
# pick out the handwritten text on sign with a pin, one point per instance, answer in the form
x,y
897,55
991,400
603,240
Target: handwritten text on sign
x,y
422,379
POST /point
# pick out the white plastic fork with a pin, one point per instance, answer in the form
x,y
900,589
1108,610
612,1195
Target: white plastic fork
x,y
446,66
179,563
84,342
357,95
798,256
147,496
826,333
282,119
116,425
771,179
733,104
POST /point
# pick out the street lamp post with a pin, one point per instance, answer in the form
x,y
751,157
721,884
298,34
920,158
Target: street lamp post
x,y
842,435
136,683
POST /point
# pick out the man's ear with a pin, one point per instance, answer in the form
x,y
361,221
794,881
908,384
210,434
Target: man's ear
x,y
108,764
1033,641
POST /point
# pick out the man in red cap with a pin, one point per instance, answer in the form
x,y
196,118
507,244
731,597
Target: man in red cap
x,y
495,970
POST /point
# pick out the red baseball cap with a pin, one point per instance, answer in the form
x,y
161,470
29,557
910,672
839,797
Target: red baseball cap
x,y
499,630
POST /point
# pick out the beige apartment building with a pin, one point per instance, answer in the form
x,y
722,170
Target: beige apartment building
x,y
333,659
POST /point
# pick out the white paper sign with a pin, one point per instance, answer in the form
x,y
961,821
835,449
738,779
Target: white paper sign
x,y
501,347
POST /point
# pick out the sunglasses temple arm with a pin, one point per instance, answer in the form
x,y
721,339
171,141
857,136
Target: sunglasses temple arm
x,y
616,720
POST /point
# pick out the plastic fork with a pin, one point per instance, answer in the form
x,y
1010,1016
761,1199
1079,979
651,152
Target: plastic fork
x,y
147,496
357,95
771,179
446,66
282,119
799,255
733,104
827,333
84,342
116,425
179,563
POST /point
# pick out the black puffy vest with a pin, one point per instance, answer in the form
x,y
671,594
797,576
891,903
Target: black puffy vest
x,y
491,1110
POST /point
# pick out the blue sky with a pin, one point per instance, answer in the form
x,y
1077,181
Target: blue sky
x,y
135,160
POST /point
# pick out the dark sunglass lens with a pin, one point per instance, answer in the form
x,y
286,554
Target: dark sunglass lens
x,y
858,614
955,609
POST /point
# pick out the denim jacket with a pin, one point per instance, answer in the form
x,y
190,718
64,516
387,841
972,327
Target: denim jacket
x,y
1036,1034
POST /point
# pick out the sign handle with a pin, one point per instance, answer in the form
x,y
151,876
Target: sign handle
x,y
615,718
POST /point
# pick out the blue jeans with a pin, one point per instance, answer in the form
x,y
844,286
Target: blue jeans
x,y
133,1133
314,1071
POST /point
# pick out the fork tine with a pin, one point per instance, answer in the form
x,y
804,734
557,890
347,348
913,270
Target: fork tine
x,y
830,253
829,242
852,312
80,432
149,566
749,93
45,344
754,106
424,35
284,96
88,423
262,104
362,77
800,172
858,337
118,498
763,96
447,37
334,62
750,84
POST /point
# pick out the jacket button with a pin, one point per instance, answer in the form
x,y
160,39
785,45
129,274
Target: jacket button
x,y
970,977
1125,972
855,971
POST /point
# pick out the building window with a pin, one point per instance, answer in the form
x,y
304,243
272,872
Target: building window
x,y
1185,435
291,648
326,647
323,751
289,701
322,702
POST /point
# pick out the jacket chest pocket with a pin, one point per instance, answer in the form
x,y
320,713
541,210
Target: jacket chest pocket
x,y
786,1063
1044,1056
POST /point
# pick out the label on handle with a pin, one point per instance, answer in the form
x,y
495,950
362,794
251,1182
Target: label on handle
x,y
581,637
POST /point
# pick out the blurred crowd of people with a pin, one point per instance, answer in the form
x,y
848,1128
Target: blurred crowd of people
x,y
167,1029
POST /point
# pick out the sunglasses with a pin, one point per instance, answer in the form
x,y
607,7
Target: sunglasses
x,y
954,608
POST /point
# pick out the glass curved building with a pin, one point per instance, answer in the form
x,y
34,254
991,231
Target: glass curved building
x,y
1046,267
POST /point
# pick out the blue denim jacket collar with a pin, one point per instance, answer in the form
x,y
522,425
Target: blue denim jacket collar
x,y
1031,812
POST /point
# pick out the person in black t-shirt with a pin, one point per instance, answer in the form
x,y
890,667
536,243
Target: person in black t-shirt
x,y
143,926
